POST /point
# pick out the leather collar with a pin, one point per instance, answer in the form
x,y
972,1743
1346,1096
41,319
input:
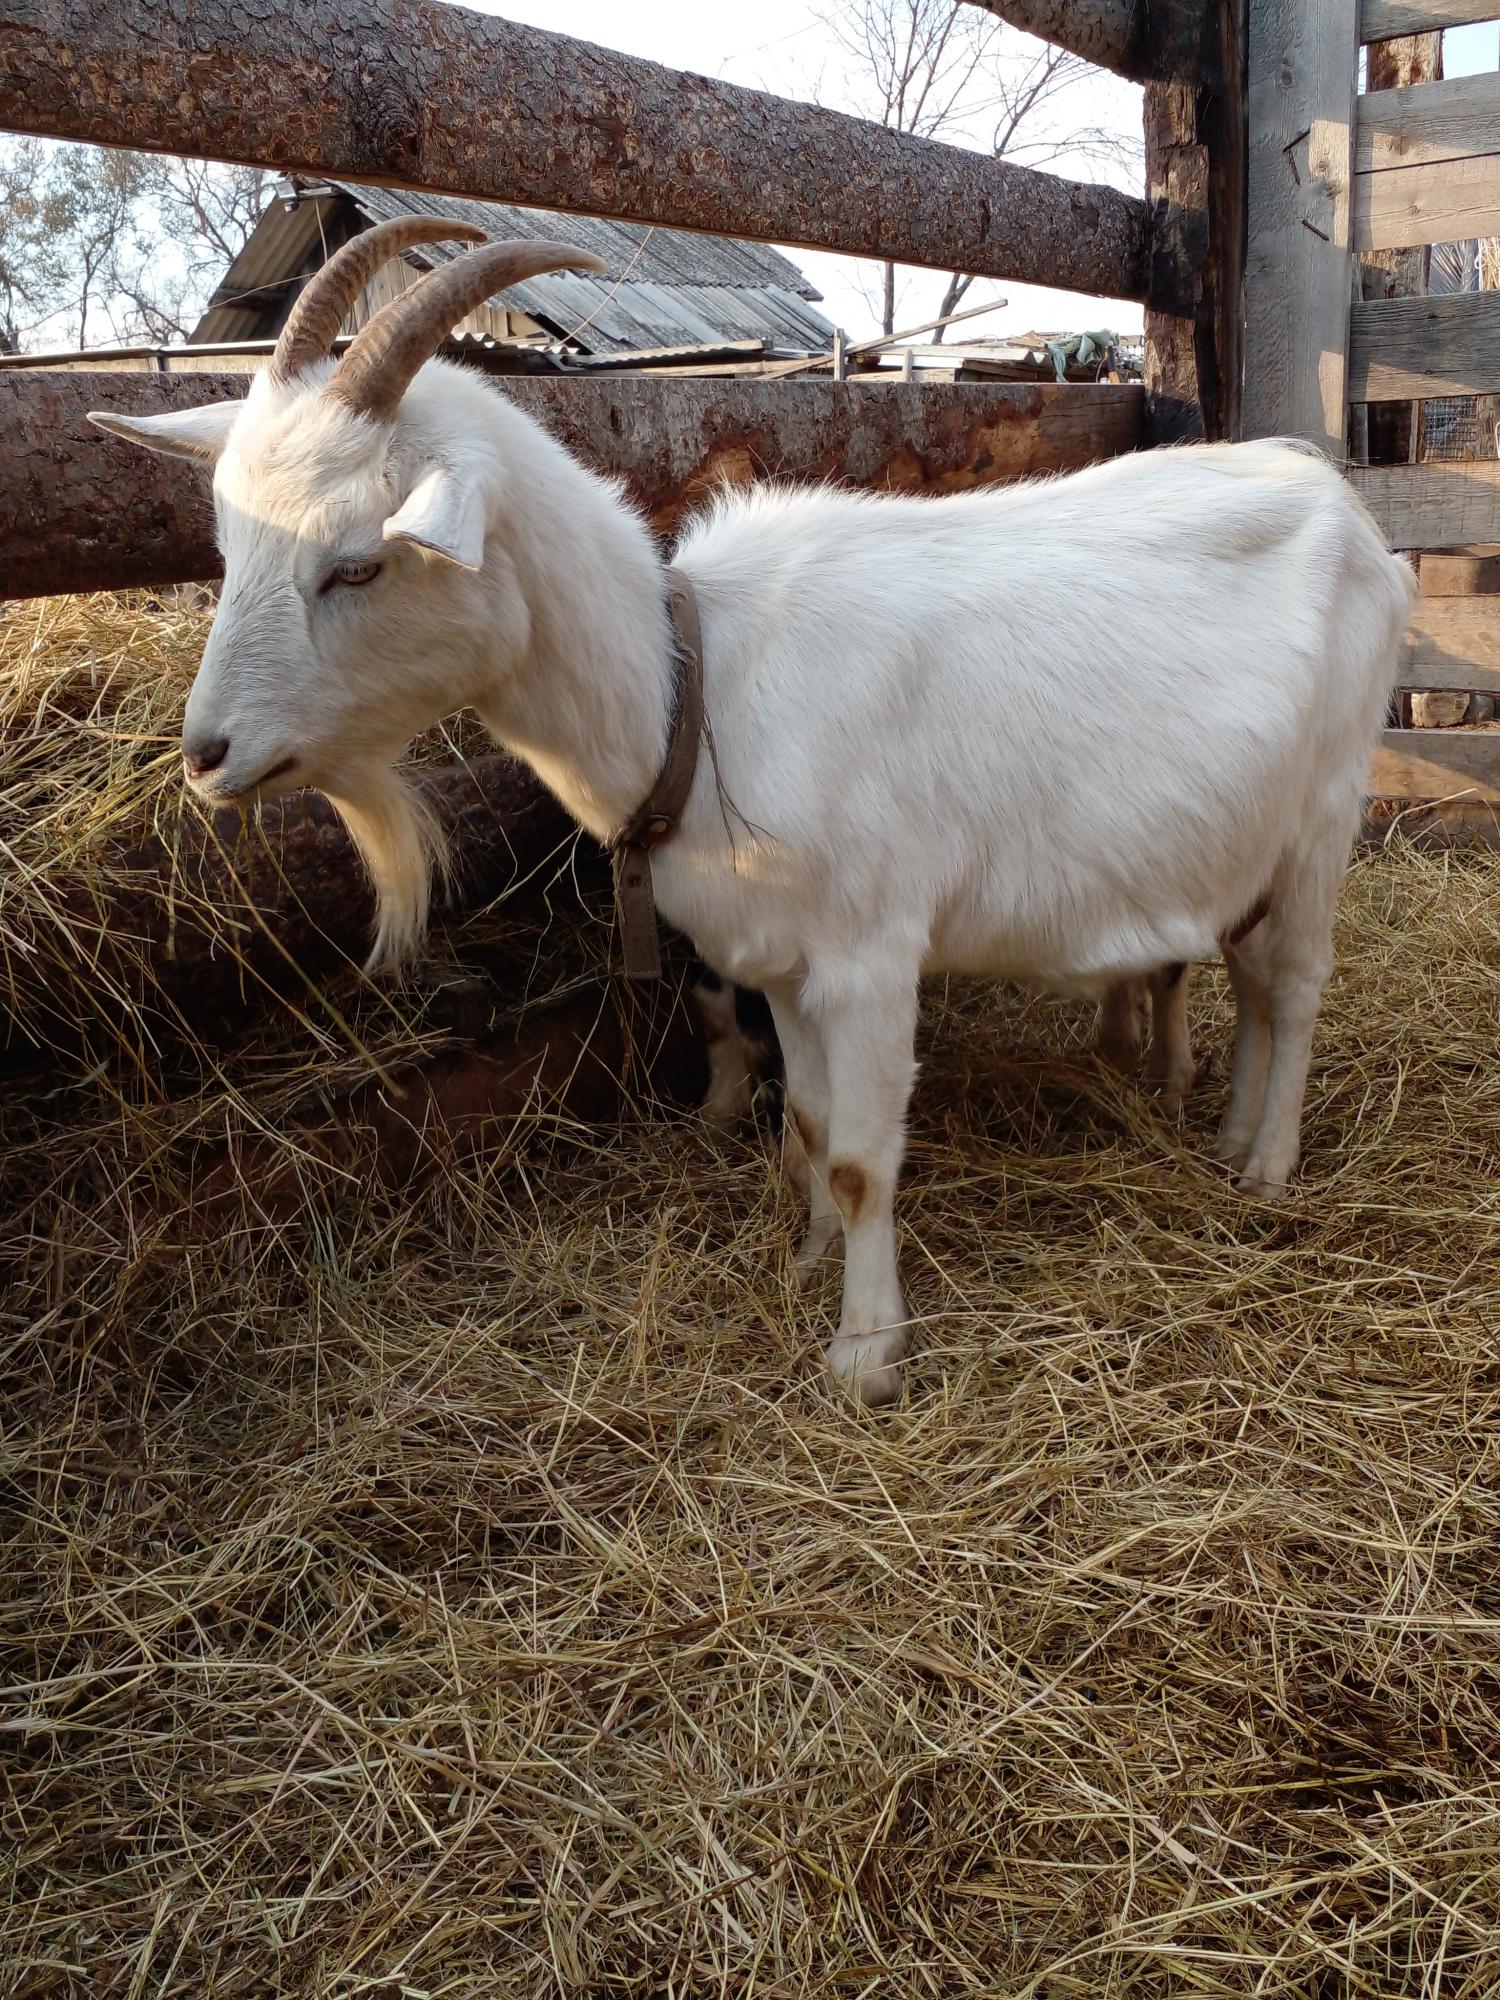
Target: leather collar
x,y
657,819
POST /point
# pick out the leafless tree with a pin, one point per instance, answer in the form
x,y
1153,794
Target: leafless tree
x,y
94,238
935,67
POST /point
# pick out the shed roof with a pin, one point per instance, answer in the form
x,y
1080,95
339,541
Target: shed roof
x,y
660,287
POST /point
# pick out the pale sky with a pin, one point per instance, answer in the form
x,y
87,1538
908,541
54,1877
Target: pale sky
x,y
783,46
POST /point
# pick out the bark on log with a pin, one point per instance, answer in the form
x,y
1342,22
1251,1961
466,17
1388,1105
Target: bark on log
x,y
195,942
1195,184
83,511
1111,33
428,96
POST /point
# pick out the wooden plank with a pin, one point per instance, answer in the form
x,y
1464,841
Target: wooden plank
x,y
1457,633
1438,764
1405,348
1449,119
1473,572
1435,506
1441,203
1381,20
1449,674
1301,79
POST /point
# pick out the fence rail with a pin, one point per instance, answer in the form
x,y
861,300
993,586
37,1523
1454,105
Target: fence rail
x,y
441,98
671,440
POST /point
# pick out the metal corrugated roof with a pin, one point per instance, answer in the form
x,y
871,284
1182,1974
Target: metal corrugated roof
x,y
659,288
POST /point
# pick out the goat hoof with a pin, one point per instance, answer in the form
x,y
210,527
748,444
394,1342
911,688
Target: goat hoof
x,y
1226,1153
869,1365
1257,1187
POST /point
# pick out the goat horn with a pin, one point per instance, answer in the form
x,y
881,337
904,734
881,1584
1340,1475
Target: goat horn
x,y
321,307
383,356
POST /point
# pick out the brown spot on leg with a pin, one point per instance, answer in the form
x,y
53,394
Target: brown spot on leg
x,y
848,1186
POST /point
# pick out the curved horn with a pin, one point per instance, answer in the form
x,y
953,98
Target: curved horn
x,y
321,307
384,355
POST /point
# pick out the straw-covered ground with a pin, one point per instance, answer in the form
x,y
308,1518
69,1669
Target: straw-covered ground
x,y
482,1593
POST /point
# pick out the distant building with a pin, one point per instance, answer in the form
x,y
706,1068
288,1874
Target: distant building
x,y
663,295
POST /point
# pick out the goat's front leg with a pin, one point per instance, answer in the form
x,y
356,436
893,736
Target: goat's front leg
x,y
868,1032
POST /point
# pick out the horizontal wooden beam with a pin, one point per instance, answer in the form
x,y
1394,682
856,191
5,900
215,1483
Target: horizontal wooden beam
x,y
1449,674
1453,642
82,511
1383,20
1470,572
1440,203
1111,33
1400,349
439,97
1442,505
1451,119
1438,764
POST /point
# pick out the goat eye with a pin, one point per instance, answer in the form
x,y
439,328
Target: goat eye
x,y
352,573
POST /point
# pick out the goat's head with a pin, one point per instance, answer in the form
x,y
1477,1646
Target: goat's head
x,y
352,519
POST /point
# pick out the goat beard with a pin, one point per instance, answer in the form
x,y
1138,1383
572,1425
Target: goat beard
x,y
401,845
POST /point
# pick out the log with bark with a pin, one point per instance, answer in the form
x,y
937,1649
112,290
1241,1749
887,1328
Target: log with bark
x,y
438,97
83,511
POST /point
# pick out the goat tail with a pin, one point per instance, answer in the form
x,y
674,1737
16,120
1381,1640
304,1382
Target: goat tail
x,y
401,844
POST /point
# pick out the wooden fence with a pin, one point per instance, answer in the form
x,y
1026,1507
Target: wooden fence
x,y
440,98
1334,171
1267,172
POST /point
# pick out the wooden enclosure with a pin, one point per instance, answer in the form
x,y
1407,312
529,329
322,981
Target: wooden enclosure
x,y
1343,178
1269,174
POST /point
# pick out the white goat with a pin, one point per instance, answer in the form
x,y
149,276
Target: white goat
x,y
883,678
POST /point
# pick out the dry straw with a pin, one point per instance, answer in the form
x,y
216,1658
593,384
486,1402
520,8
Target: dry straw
x,y
483,1594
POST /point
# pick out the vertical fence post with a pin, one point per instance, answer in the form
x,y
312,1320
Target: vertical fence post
x,y
1303,67
1194,51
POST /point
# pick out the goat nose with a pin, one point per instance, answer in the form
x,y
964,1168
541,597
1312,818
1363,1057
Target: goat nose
x,y
201,758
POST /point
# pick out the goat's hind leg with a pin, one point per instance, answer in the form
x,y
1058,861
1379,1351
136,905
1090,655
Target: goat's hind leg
x,y
1249,978
1299,958
805,1130
1169,1061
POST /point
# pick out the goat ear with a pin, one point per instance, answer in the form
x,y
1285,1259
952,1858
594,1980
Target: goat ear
x,y
443,514
199,434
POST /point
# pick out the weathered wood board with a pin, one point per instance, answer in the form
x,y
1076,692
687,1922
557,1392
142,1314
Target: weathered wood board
x,y
1301,81
1405,348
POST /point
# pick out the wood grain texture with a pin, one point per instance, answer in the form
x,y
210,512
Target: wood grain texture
x,y
422,95
1441,203
1453,636
1380,20
1110,33
1195,185
1434,506
1437,764
82,511
1472,572
1301,77
1405,348
1447,119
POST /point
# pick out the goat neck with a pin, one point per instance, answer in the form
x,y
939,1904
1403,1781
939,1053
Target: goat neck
x,y
590,708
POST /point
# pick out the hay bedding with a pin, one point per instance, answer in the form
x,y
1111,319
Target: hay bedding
x,y
483,1595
